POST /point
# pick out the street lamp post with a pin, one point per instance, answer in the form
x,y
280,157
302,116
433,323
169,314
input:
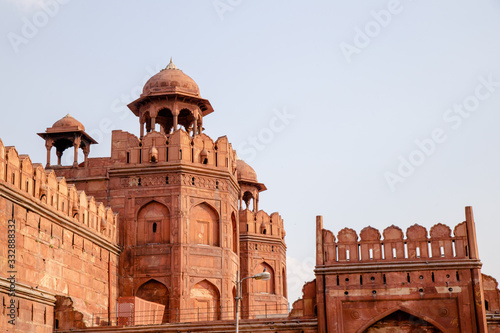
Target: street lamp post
x,y
264,276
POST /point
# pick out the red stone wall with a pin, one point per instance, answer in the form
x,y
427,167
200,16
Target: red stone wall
x,y
65,246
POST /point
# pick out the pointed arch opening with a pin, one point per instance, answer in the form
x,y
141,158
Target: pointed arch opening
x,y
204,225
166,120
265,287
400,321
205,300
157,292
248,198
146,117
186,119
153,224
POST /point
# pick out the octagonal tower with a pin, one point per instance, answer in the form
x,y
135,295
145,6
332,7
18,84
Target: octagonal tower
x,y
176,192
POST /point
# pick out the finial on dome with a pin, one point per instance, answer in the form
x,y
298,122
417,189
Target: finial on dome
x,y
171,65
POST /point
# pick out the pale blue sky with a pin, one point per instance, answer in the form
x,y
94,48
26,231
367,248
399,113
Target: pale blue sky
x,y
354,115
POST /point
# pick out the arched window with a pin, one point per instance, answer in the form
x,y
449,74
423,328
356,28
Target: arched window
x,y
205,300
204,225
153,224
261,286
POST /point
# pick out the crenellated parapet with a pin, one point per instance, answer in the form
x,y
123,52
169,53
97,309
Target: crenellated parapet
x,y
19,176
261,223
392,245
157,148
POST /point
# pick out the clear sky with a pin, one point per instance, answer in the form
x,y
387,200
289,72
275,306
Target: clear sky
x,y
368,113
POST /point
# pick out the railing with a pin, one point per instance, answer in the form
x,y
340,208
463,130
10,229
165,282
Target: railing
x,y
493,316
135,318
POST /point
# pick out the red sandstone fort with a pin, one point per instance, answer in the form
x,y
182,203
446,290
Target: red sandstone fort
x,y
153,239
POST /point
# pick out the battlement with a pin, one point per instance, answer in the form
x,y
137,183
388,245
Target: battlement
x,y
418,245
156,147
31,180
261,223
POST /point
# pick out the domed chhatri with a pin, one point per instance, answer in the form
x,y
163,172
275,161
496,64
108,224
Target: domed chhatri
x,y
250,186
245,172
67,122
171,80
65,133
171,99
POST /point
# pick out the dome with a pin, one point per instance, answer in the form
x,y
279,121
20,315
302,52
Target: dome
x,y
68,121
171,80
245,172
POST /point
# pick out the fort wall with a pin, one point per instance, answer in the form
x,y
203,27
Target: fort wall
x,y
66,255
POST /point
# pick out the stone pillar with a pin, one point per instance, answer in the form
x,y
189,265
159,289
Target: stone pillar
x,y
48,145
86,151
477,280
59,155
320,278
200,125
142,128
195,127
153,123
175,114
75,162
76,145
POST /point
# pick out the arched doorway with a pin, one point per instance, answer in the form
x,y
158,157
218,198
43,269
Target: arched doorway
x,y
401,321
157,292
205,301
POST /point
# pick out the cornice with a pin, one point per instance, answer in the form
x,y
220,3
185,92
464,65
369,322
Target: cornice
x,y
262,239
396,266
27,292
